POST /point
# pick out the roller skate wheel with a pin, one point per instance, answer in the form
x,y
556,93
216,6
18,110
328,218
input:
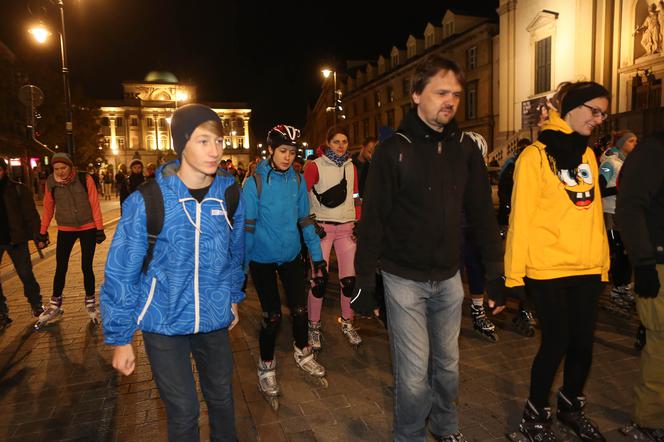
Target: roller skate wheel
x,y
274,403
324,383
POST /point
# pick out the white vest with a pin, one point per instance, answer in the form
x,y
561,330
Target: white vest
x,y
329,175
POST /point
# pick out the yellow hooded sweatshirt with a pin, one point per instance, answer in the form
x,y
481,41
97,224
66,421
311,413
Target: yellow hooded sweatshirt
x,y
556,226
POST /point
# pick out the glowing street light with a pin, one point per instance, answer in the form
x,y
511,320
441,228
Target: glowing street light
x,y
41,34
326,74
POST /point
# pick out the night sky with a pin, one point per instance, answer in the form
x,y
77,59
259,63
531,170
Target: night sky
x,y
268,55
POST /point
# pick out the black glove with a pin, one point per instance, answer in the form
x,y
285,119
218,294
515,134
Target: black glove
x,y
42,238
100,236
320,231
646,281
363,301
495,289
356,229
321,266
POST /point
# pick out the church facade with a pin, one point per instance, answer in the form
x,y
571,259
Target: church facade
x,y
618,43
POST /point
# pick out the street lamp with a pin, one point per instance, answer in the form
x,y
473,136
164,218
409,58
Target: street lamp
x,y
326,74
41,34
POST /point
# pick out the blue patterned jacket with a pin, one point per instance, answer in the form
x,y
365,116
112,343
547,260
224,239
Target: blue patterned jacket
x,y
196,271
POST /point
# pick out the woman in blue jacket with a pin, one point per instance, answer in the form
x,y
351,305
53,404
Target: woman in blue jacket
x,y
184,299
276,208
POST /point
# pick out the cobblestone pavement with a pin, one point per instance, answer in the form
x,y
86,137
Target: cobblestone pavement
x,y
58,384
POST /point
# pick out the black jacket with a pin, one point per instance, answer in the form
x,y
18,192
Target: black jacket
x,y
22,217
415,195
640,202
362,172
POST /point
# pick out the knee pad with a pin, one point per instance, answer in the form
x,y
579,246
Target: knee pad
x,y
271,321
318,289
347,286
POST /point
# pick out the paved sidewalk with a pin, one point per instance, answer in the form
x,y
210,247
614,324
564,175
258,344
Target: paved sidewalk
x,y
58,384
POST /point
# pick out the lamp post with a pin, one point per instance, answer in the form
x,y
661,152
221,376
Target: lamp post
x,y
326,74
40,33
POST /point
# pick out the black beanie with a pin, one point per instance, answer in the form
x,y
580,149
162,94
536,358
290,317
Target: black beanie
x,y
185,120
579,95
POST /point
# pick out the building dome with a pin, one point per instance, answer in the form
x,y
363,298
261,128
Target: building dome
x,y
161,77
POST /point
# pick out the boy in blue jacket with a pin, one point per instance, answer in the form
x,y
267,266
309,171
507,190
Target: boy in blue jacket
x,y
185,301
276,203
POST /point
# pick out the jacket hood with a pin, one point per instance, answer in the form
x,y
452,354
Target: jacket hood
x,y
166,176
554,122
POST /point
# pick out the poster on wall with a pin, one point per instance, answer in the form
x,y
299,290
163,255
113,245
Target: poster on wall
x,y
534,112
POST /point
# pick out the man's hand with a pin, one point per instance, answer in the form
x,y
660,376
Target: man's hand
x,y
236,317
321,266
356,226
42,241
646,281
124,359
100,236
320,230
495,290
363,301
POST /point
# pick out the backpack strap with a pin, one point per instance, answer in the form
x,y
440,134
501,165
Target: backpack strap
x,y
404,149
154,216
232,196
83,179
259,184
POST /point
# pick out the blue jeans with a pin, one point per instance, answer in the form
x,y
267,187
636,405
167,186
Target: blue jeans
x,y
425,320
171,369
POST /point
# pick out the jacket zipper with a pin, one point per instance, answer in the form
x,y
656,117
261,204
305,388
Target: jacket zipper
x,y
196,266
149,301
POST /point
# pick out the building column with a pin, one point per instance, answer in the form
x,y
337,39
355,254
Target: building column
x,y
114,138
155,119
246,133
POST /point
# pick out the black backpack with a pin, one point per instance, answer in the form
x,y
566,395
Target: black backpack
x,y
154,212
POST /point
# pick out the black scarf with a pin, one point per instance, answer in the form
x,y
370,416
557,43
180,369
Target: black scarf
x,y
564,150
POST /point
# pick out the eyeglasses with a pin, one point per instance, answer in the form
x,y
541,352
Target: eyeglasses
x,y
597,112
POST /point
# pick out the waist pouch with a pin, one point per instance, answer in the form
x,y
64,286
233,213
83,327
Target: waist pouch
x,y
335,195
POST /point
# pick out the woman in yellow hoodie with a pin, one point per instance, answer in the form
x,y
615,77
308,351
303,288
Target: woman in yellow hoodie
x,y
557,248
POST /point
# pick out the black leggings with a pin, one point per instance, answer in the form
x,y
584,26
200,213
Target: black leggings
x,y
63,249
264,277
567,310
